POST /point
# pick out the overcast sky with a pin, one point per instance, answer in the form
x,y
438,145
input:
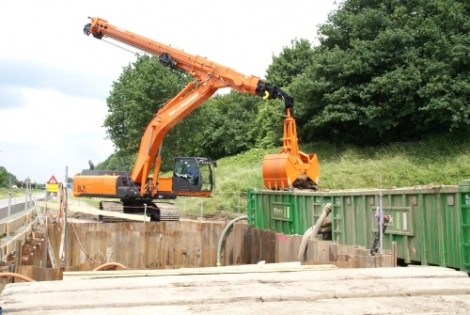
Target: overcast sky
x,y
54,80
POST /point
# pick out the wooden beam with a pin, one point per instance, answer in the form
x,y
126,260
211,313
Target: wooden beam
x,y
93,211
259,268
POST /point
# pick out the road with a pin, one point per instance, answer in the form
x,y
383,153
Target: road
x,y
17,206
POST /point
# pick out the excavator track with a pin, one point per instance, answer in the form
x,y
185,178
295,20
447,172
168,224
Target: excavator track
x,y
167,212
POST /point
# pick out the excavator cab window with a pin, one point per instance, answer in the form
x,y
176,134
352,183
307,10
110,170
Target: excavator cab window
x,y
193,174
187,168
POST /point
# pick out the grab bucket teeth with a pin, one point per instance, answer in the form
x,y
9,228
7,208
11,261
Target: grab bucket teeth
x,y
280,170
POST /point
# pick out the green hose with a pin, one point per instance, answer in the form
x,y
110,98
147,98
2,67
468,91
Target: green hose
x,y
229,225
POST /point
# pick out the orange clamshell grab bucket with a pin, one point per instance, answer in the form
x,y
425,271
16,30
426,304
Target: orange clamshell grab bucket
x,y
281,170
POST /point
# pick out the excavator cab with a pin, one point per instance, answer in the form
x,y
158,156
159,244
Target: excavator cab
x,y
192,175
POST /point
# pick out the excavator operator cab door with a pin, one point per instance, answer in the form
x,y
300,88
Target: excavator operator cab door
x,y
193,174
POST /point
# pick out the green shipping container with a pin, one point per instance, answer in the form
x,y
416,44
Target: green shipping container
x,y
431,225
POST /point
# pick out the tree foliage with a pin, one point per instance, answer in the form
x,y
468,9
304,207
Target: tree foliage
x,y
143,88
3,177
290,63
284,69
229,124
6,178
386,71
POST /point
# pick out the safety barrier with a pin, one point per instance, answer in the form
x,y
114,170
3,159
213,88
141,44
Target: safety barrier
x,y
16,229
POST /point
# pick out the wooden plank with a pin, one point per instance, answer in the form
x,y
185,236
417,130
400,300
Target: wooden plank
x,y
214,230
95,245
25,271
227,247
93,211
206,251
152,239
240,230
339,264
294,247
269,246
255,246
38,253
39,274
167,248
136,244
257,268
280,240
394,254
247,244
321,249
177,249
74,248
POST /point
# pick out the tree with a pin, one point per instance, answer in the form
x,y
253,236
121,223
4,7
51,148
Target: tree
x,y
3,177
386,71
284,69
229,125
268,126
290,63
6,177
143,88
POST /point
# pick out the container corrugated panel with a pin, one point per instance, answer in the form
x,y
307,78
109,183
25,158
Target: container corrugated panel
x,y
427,222
464,190
283,211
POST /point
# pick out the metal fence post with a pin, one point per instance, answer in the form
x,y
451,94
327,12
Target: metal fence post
x,y
9,207
202,209
238,202
381,220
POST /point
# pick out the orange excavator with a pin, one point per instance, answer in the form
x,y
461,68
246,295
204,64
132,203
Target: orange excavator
x,y
192,176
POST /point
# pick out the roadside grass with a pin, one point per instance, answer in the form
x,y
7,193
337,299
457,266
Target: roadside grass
x,y
21,192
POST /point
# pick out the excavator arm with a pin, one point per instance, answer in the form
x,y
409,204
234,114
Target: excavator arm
x,y
174,111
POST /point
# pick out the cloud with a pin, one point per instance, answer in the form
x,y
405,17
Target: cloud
x,y
18,74
50,131
10,96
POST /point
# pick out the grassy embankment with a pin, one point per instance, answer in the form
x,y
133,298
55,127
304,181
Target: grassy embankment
x,y
437,161
440,160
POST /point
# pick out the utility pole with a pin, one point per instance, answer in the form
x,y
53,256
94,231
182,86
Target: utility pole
x,y
64,231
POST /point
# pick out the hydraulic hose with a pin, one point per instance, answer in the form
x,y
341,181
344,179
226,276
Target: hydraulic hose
x,y
110,265
222,236
16,275
312,232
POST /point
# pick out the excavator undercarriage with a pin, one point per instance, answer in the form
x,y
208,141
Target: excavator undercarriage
x,y
160,211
